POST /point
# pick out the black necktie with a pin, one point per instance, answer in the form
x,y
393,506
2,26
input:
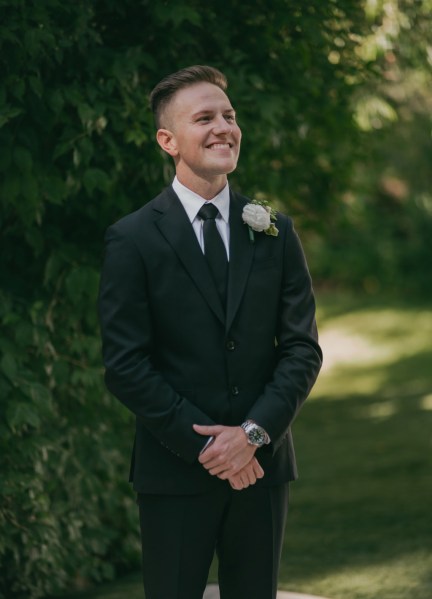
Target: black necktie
x,y
214,249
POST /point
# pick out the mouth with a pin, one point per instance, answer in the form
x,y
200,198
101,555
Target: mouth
x,y
220,146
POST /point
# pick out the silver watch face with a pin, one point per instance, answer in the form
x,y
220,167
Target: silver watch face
x,y
256,436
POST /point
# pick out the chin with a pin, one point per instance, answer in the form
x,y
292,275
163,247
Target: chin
x,y
231,168
228,166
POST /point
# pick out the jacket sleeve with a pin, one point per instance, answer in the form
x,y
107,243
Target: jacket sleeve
x,y
299,355
127,340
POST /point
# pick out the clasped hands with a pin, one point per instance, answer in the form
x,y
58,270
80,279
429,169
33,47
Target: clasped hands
x,y
230,456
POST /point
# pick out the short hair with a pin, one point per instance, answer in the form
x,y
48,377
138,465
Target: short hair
x,y
171,84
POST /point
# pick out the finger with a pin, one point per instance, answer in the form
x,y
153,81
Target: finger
x,y
257,469
210,461
207,430
225,475
217,468
223,472
206,459
248,475
251,478
259,473
236,483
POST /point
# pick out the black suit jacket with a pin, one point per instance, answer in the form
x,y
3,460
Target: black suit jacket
x,y
175,357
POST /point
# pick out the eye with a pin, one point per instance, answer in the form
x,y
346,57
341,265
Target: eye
x,y
204,119
230,118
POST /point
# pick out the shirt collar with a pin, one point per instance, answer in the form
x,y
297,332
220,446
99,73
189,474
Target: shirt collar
x,y
192,202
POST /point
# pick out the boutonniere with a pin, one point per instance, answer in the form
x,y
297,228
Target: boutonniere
x,y
259,216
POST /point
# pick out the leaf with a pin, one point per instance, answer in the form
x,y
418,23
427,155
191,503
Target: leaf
x,y
18,88
5,389
5,158
22,159
95,178
85,150
177,15
34,235
136,136
56,101
55,190
82,282
8,114
23,333
62,148
36,86
39,394
30,188
9,367
86,112
53,267
61,372
11,186
20,414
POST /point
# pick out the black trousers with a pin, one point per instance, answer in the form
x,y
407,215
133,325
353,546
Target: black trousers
x,y
180,534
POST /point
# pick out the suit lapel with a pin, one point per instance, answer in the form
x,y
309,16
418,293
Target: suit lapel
x,y
241,256
175,226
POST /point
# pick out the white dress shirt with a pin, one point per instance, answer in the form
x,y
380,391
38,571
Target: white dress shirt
x,y
192,203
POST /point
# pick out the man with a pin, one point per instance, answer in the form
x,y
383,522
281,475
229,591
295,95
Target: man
x,y
209,337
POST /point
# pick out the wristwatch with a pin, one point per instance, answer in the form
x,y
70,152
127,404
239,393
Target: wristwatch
x,y
255,434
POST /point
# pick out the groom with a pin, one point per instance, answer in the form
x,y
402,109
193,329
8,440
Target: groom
x,y
209,338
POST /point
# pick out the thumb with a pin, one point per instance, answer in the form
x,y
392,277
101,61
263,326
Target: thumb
x,y
208,431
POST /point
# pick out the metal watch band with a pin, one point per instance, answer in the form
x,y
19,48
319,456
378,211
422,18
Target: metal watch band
x,y
250,426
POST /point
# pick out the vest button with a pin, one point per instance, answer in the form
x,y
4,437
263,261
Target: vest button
x,y
230,345
234,390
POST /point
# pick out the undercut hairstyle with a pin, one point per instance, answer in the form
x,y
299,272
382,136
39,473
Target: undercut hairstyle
x,y
165,90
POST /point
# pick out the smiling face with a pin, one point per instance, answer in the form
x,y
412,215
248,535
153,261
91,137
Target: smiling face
x,y
202,136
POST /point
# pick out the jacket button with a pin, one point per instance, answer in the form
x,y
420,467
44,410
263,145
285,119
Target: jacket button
x,y
230,345
235,390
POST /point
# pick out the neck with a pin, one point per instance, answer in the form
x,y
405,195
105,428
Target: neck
x,y
205,188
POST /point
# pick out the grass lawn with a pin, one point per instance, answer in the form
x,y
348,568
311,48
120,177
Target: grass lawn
x,y
360,524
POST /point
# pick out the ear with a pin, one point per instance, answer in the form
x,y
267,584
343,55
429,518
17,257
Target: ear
x,y
167,142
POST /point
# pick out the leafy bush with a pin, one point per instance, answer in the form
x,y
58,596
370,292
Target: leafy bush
x,y
379,237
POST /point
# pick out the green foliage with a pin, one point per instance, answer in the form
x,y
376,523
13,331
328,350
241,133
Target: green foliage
x,y
65,513
77,152
379,236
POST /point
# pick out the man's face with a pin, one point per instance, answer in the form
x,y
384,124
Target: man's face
x,y
201,133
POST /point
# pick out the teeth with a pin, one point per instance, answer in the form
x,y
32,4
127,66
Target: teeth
x,y
219,146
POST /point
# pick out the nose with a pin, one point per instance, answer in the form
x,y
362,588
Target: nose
x,y
221,126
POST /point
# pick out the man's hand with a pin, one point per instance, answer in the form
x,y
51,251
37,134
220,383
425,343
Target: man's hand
x,y
228,454
247,476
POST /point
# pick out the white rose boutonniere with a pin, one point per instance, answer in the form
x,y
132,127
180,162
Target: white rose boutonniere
x,y
260,217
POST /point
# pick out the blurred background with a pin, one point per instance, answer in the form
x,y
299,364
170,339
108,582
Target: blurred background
x,y
335,101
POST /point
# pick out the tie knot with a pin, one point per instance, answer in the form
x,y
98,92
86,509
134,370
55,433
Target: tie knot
x,y
208,211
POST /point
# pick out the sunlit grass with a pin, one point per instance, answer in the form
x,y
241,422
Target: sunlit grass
x,y
365,342
399,578
359,525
